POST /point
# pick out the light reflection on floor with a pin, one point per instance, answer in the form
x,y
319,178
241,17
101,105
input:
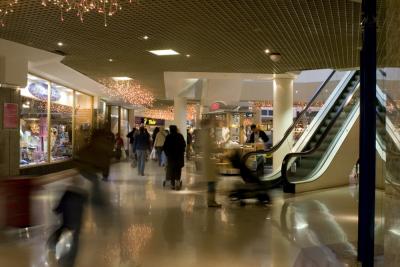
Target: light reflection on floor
x,y
148,225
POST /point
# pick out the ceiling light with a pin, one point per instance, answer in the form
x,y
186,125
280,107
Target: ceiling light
x,y
60,44
122,78
110,60
165,52
267,51
145,37
187,55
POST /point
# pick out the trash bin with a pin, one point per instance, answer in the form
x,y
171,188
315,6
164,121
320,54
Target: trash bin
x,y
16,192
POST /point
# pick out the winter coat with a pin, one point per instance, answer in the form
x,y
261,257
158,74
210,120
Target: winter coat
x,y
174,148
160,139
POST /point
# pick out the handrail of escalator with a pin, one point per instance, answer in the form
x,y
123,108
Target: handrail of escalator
x,y
287,158
289,130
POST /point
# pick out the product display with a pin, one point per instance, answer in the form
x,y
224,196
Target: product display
x,y
42,136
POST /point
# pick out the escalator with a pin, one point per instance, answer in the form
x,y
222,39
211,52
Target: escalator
x,y
329,159
316,126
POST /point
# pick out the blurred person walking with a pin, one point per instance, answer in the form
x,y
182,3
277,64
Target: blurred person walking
x,y
119,146
189,141
154,135
71,208
208,166
159,143
131,136
174,148
142,145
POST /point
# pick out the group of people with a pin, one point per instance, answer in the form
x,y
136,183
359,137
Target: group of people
x,y
171,143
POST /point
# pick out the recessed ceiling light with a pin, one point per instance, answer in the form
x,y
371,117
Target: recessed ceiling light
x,y
60,44
145,37
267,51
122,78
297,91
187,55
165,52
110,60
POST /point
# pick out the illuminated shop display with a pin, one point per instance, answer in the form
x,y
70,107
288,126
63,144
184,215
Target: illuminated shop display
x,y
47,132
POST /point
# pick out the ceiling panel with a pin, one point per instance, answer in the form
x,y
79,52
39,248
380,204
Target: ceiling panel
x,y
220,36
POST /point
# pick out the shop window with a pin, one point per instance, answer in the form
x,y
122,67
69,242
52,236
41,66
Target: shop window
x,y
101,114
61,122
34,122
83,120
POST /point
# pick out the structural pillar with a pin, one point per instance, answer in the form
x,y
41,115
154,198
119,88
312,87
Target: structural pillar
x,y
366,202
131,118
180,114
283,117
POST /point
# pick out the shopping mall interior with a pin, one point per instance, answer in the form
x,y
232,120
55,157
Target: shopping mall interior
x,y
199,133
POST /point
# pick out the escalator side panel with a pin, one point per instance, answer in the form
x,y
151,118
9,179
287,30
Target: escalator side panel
x,y
337,173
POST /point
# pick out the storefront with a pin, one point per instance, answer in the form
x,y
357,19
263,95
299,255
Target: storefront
x,y
55,121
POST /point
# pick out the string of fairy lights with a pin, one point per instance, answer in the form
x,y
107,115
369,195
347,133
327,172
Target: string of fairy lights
x,y
167,113
106,8
129,91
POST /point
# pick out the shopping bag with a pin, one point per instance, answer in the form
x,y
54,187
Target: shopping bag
x,y
153,154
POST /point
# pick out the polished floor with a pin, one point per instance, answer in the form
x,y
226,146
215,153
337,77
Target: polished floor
x,y
147,225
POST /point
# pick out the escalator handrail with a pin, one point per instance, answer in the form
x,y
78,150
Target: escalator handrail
x,y
291,127
287,158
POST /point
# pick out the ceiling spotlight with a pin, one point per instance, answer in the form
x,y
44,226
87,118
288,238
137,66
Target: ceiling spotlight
x,y
110,60
145,37
187,55
275,57
60,44
122,78
165,52
267,51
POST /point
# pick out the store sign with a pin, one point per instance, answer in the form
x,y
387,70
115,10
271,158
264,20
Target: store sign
x,y
10,116
215,106
39,90
149,121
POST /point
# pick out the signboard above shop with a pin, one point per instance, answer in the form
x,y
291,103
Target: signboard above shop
x,y
149,121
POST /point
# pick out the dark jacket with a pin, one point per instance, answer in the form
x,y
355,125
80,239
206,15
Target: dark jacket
x,y
131,136
142,141
174,148
261,134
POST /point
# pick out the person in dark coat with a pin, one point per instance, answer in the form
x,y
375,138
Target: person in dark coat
x,y
174,148
131,136
257,134
142,145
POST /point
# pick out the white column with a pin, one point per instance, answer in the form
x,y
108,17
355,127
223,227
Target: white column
x,y
283,117
131,117
180,114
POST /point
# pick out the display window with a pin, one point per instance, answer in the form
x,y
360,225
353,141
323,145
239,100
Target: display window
x,y
101,113
52,119
34,122
83,119
61,109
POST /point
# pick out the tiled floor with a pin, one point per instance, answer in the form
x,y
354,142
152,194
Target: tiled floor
x,y
148,225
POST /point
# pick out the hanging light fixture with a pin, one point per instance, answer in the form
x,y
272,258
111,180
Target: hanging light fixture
x,y
129,91
107,8
6,7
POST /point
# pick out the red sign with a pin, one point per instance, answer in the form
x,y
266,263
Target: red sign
x,y
10,116
215,106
